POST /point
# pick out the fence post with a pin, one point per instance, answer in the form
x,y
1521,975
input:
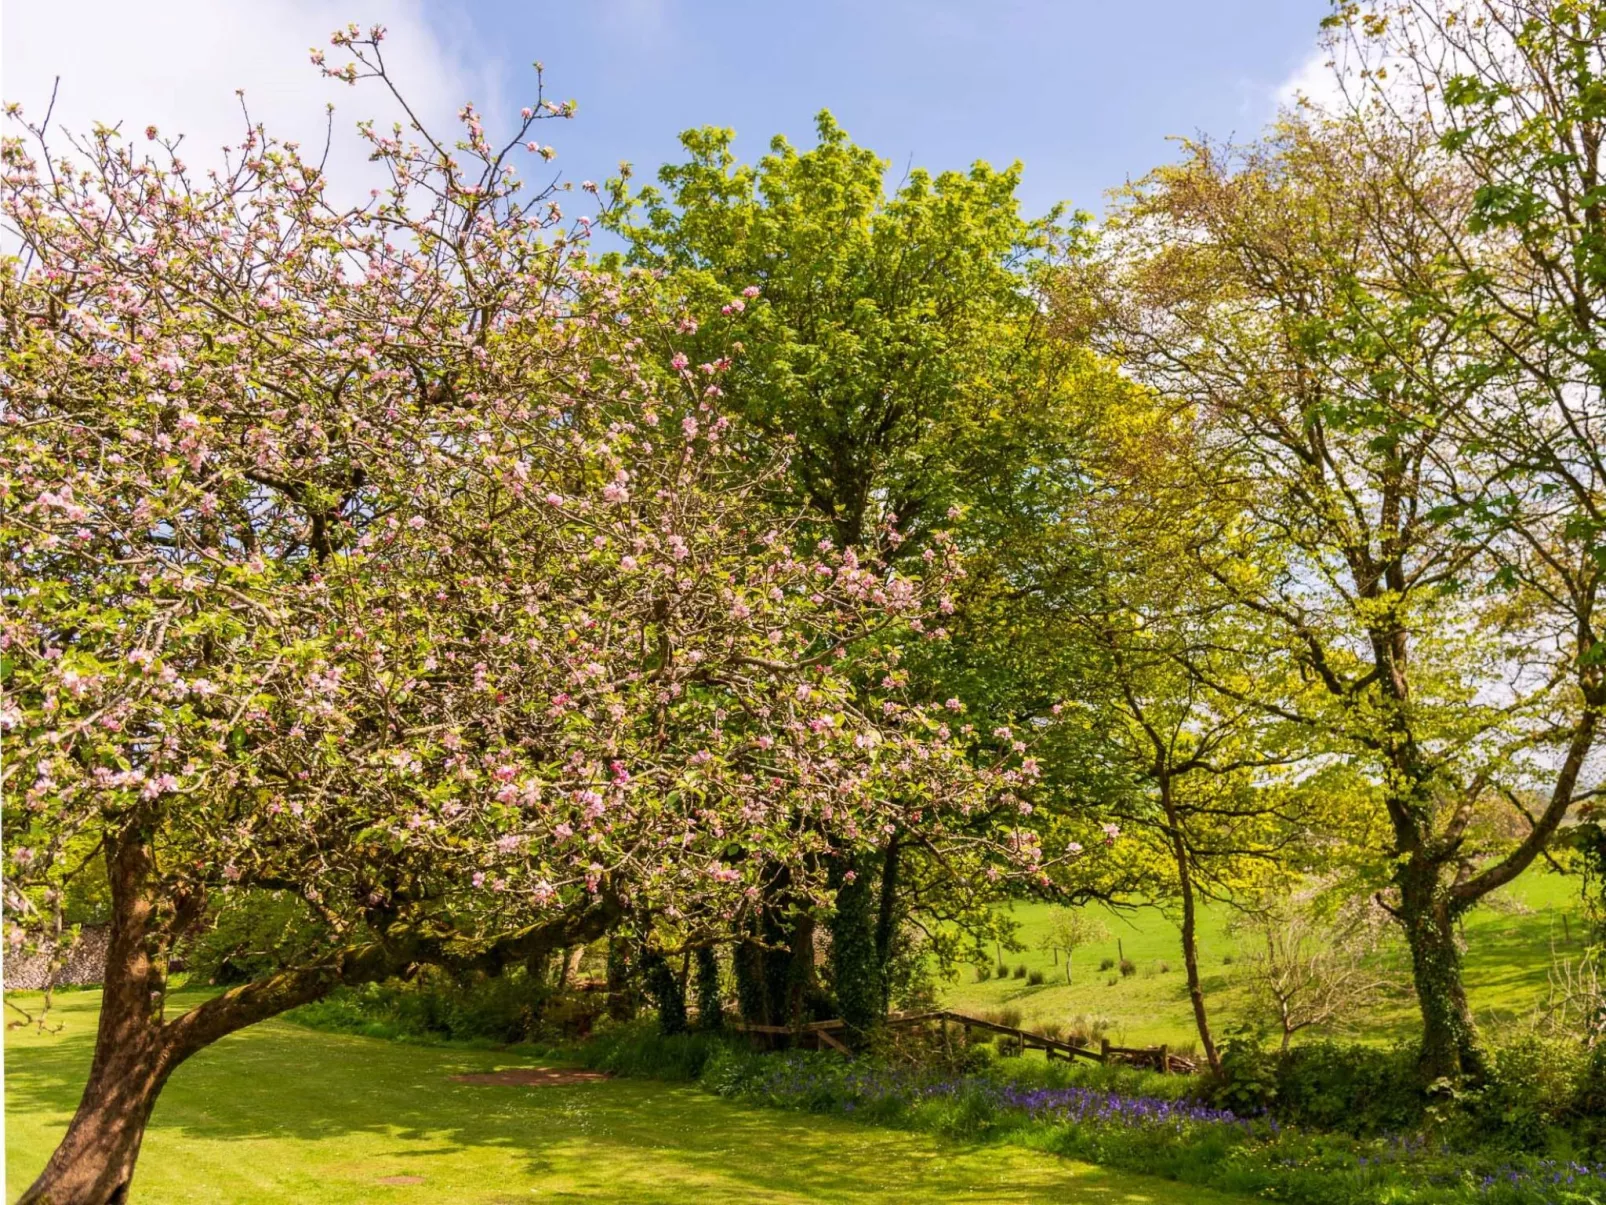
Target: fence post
x,y
1165,1060
1104,1050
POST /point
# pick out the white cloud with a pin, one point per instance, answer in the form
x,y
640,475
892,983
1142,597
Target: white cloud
x,y
176,64
1314,82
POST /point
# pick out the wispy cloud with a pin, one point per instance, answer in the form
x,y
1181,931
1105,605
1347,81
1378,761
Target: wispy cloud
x,y
176,65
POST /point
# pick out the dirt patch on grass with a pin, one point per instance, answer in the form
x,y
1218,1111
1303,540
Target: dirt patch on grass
x,y
534,1077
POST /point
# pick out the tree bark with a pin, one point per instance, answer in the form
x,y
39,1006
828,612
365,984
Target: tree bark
x,y
1449,1037
1190,945
94,1163
886,927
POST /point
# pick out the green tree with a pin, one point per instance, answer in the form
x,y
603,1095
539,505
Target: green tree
x,y
893,348
1070,930
895,338
379,587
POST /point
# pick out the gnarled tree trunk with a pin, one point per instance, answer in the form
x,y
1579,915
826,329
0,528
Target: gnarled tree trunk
x,y
1427,914
136,1049
134,1054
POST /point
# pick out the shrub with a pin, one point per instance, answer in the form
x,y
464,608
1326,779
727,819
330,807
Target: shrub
x,y
1247,1081
1010,1016
641,1049
1128,968
983,973
1083,1030
1001,971
1020,971
1106,964
1357,1089
436,1006
1162,968
1035,978
1535,1082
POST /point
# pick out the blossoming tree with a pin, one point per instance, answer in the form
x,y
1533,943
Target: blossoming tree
x,y
394,558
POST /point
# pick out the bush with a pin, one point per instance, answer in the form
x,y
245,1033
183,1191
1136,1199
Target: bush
x,y
945,1050
1535,1082
1001,971
983,973
1361,1090
1020,971
1010,1016
1126,1117
642,1049
1035,979
1106,964
1247,1081
1083,1030
435,1006
1128,968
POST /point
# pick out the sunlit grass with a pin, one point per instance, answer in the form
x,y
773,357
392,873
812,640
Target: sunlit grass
x,y
280,1114
1508,963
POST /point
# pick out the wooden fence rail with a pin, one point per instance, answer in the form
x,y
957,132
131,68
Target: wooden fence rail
x,y
825,1036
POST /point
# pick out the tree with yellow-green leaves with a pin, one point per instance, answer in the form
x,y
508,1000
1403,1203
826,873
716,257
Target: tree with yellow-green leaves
x,y
1409,600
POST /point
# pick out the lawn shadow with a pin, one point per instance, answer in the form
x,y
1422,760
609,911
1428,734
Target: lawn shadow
x,y
280,1082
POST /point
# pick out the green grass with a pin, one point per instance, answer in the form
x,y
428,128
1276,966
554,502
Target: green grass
x,y
1508,962
279,1113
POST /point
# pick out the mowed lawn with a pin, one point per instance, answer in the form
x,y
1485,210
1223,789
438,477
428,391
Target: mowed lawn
x,y
1508,961
283,1114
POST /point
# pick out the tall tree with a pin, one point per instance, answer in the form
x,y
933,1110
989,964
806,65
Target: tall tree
x,y
1277,293
1191,775
894,336
896,339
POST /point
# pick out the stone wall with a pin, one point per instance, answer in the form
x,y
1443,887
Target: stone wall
x,y
86,963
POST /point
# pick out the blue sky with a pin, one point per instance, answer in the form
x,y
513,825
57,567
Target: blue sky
x,y
1084,92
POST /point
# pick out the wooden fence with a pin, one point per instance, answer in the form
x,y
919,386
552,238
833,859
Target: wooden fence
x,y
825,1035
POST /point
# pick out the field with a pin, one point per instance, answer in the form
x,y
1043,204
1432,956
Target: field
x,y
1508,960
283,1114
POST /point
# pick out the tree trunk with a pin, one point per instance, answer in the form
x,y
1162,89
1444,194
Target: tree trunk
x,y
621,997
886,928
1449,1038
855,958
136,1049
710,1003
94,1163
1190,946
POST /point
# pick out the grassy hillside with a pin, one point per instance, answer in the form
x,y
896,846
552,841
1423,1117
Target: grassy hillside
x,y
280,1113
1507,967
